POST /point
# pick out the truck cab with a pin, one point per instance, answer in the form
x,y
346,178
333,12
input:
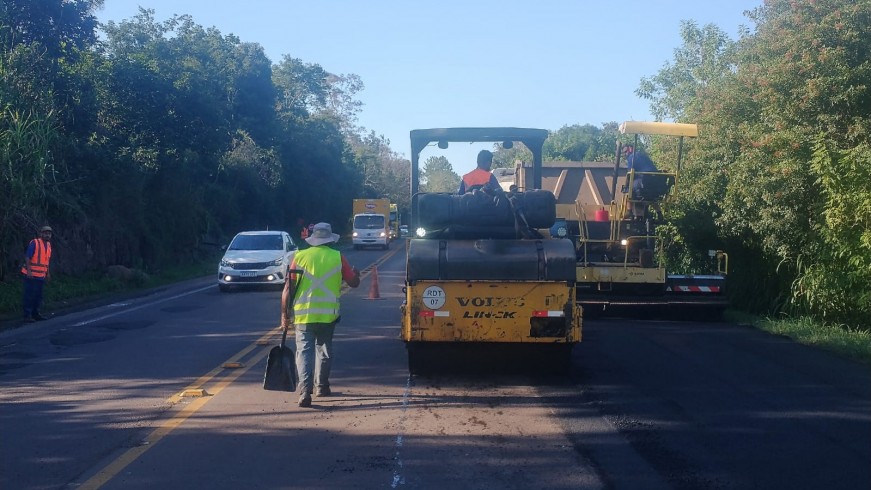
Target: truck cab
x,y
371,225
369,231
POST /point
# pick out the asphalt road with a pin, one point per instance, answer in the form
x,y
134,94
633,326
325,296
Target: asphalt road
x,y
92,400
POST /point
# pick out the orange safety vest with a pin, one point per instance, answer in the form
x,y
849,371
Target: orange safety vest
x,y
478,176
39,260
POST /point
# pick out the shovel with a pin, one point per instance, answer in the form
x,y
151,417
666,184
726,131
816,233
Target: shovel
x,y
281,372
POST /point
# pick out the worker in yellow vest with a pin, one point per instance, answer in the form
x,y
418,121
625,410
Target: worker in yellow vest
x,y
36,272
315,308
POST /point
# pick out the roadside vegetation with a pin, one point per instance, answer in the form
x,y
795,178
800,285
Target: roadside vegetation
x,y
841,340
155,141
65,291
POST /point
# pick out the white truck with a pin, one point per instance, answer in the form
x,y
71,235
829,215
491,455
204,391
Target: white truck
x,y
371,223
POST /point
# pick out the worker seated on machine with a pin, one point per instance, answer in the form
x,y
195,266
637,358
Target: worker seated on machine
x,y
642,201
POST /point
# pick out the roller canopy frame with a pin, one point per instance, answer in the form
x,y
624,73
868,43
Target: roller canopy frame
x,y
532,138
659,128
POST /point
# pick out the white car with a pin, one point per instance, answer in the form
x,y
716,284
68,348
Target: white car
x,y
256,258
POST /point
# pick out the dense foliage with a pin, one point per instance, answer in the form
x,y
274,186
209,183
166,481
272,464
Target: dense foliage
x,y
781,174
166,137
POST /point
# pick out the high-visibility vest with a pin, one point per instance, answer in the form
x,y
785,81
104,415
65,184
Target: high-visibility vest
x,y
479,177
317,293
39,260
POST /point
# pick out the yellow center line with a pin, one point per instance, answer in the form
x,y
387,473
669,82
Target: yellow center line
x,y
116,466
202,380
112,469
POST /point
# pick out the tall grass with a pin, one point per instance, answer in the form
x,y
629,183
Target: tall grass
x,y
64,291
844,341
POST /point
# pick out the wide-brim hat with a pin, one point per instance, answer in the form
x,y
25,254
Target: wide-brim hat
x,y
322,233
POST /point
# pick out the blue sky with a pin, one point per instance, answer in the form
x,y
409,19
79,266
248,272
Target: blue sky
x,y
460,63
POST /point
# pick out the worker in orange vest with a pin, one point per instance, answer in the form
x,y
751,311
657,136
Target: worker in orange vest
x,y
480,178
36,272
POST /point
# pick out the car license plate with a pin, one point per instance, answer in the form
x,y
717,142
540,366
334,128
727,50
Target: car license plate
x,y
247,274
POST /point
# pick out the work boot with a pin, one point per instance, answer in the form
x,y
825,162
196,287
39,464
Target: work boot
x,y
305,401
323,391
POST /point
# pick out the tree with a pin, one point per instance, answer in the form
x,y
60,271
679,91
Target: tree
x,y
784,113
581,143
62,27
385,172
437,175
706,55
683,90
166,131
509,157
306,88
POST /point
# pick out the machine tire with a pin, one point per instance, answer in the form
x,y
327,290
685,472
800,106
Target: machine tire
x,y
561,360
415,359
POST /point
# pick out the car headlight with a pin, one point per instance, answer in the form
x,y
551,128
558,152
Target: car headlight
x,y
420,232
226,263
278,261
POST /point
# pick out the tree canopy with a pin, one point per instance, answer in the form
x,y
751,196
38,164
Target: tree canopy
x,y
437,175
167,136
784,118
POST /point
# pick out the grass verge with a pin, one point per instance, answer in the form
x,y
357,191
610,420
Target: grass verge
x,y
65,291
841,340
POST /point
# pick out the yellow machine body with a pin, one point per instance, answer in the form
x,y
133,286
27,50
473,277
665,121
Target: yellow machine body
x,y
490,311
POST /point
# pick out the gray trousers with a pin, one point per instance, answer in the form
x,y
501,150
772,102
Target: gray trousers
x,y
314,355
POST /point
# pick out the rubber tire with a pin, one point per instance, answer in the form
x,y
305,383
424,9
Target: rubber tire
x,y
417,359
561,359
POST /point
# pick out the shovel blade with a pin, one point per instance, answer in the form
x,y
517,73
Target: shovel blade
x,y
281,372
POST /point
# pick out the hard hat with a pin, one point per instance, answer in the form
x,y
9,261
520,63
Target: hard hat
x,y
46,228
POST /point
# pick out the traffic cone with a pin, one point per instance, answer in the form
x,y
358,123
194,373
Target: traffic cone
x,y
373,288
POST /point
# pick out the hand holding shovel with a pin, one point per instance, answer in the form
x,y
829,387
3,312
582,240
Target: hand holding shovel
x,y
281,374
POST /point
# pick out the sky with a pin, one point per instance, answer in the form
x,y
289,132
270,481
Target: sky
x,y
467,63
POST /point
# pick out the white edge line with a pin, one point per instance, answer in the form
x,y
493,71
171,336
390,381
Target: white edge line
x,y
128,310
398,477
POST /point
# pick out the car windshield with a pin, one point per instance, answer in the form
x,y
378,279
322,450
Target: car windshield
x,y
369,222
257,242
